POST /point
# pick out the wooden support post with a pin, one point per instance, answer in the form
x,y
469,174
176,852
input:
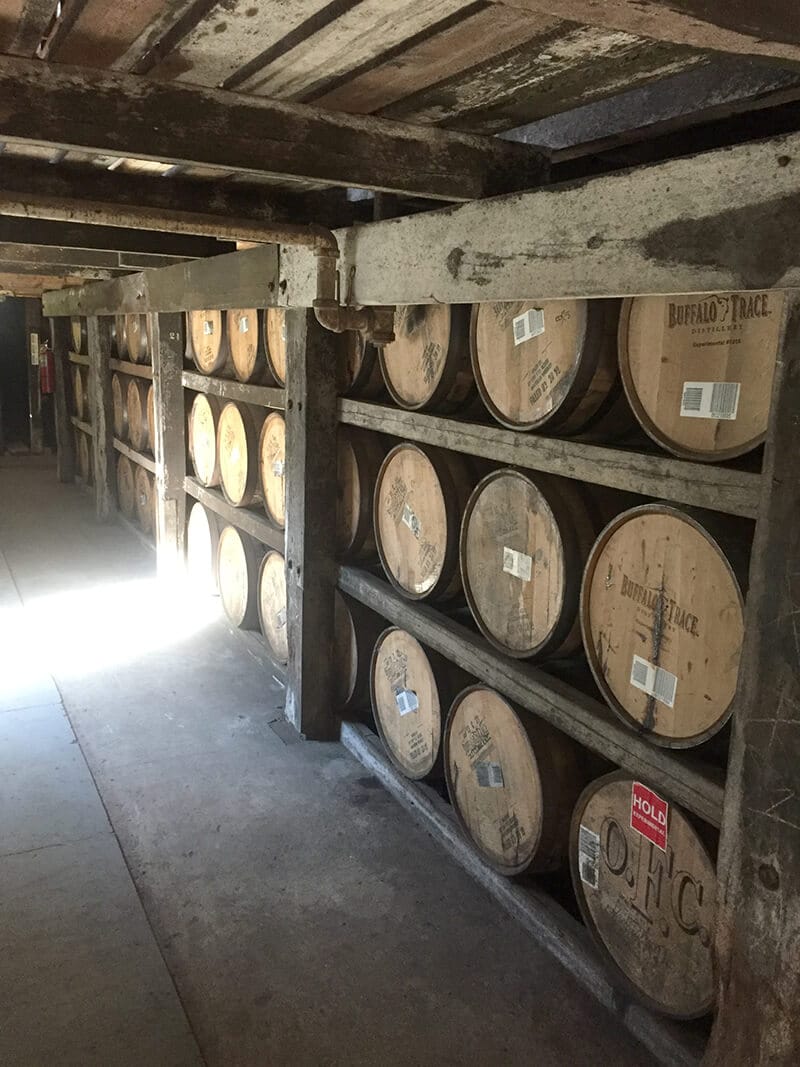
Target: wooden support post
x,y
758,923
65,440
33,329
167,346
310,523
101,414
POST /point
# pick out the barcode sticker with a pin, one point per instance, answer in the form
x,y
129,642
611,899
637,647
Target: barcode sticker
x,y
517,563
406,700
280,618
710,400
588,856
278,467
208,327
489,775
655,681
410,520
244,325
529,324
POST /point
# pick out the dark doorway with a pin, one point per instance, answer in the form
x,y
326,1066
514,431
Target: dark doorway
x,y
14,403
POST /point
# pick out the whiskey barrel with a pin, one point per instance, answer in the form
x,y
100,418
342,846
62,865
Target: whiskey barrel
x,y
151,417
698,369
202,433
513,781
207,342
272,605
237,448
525,540
126,489
360,455
247,345
420,497
427,365
80,382
650,909
79,334
202,537
119,405
275,326
85,467
549,365
272,467
355,631
136,339
359,369
662,620
138,432
145,500
120,340
238,561
411,688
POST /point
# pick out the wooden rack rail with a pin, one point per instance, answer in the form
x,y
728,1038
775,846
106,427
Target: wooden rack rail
x,y
264,396
135,457
137,370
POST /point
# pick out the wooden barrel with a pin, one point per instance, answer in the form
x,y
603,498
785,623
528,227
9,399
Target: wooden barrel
x,y
272,605
202,537
525,540
420,497
85,467
275,326
427,365
126,489
356,629
549,365
662,620
360,455
272,467
359,370
650,909
411,688
238,562
151,417
202,433
698,369
237,448
79,383
207,342
138,432
247,345
513,781
119,405
136,339
79,334
145,500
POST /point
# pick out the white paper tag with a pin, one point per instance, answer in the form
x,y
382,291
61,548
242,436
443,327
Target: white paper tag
x,y
517,563
278,467
489,775
208,327
710,400
529,324
406,700
234,455
244,325
410,520
655,681
280,618
588,856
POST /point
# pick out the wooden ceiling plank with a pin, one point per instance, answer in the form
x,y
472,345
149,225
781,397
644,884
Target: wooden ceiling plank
x,y
32,20
103,30
73,108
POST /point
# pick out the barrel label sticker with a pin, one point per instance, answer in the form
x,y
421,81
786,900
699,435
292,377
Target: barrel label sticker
x,y
518,564
280,618
710,400
244,325
655,681
649,815
208,327
588,856
406,700
528,325
278,468
409,519
489,775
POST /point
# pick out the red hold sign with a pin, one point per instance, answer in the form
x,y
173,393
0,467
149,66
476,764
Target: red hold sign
x,y
649,815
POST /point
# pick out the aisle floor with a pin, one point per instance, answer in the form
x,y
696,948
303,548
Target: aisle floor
x,y
180,885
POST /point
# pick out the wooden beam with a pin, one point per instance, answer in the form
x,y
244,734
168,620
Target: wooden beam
x,y
33,22
758,916
52,256
718,221
65,441
101,415
45,267
769,29
169,448
73,235
123,115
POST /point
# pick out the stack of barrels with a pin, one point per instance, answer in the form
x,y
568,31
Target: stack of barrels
x,y
649,594
133,412
80,399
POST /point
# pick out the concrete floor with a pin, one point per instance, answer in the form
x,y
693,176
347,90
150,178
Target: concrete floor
x,y
179,885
